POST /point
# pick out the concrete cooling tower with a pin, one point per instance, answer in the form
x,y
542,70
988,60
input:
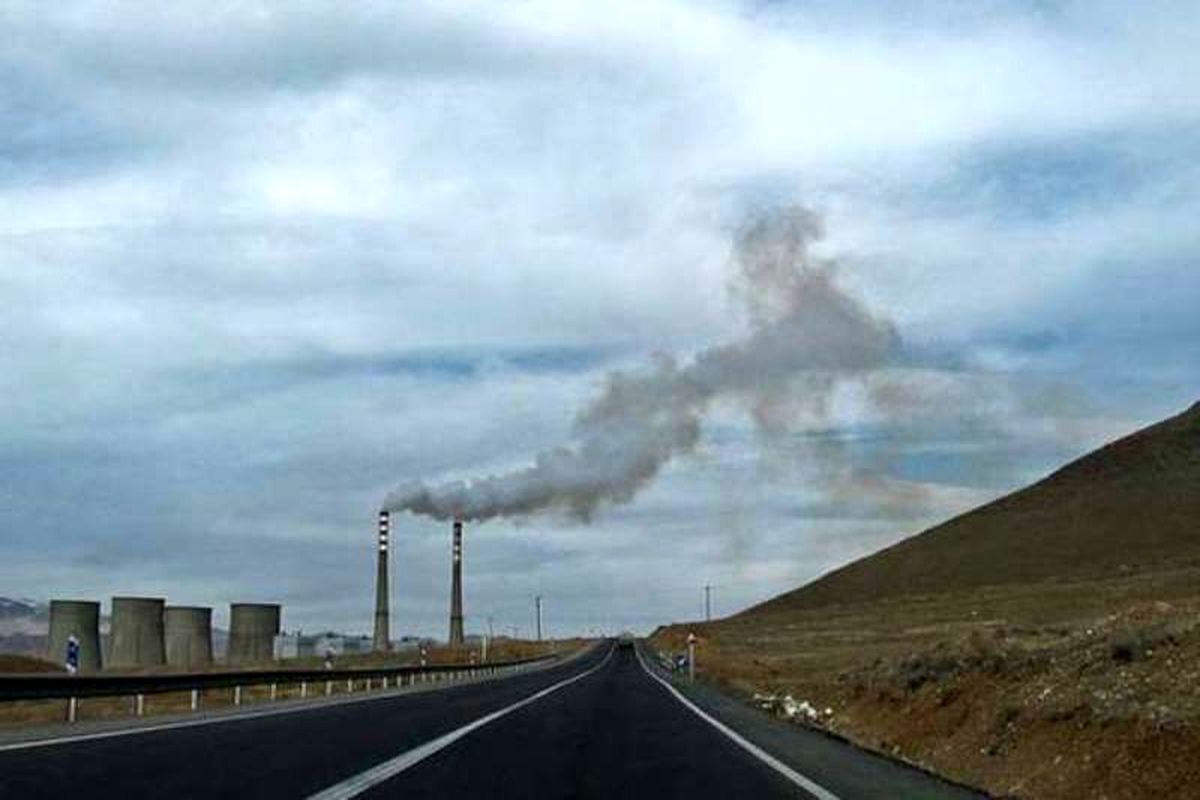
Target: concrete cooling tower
x,y
137,632
252,631
189,636
78,618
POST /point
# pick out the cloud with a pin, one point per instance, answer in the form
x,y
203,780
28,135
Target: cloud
x,y
258,263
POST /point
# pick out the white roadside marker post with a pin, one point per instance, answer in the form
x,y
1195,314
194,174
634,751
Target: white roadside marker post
x,y
691,640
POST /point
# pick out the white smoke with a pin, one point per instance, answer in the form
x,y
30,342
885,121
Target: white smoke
x,y
802,326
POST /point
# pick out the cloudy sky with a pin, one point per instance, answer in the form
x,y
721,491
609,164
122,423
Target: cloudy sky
x,y
262,263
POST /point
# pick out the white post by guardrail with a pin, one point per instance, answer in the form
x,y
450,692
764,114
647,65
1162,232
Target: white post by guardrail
x,y
195,699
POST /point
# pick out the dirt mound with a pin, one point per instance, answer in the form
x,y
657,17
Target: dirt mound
x,y
18,663
1128,507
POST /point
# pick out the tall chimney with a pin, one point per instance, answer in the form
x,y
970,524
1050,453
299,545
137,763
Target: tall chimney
x,y
456,615
382,641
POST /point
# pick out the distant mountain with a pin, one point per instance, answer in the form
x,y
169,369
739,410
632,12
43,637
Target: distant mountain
x,y
23,626
23,616
1131,506
21,608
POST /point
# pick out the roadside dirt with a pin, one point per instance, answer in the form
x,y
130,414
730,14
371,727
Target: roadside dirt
x,y
1038,691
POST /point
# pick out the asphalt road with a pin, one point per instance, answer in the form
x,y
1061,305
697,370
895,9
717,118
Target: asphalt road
x,y
596,727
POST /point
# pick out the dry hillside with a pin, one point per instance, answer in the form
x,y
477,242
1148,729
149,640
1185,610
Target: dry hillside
x,y
1046,645
1131,506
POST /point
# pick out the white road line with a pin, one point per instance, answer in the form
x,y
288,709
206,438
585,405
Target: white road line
x,y
357,784
299,708
807,784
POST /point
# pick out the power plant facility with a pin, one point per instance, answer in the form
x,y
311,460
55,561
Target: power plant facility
x,y
137,632
189,636
321,645
252,631
382,641
78,618
456,602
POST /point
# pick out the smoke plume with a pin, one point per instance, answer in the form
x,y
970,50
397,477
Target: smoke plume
x,y
802,325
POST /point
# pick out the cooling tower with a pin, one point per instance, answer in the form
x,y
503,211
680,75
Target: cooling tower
x,y
252,631
189,636
78,618
137,632
456,611
382,641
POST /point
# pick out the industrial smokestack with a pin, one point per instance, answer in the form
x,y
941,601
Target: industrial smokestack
x,y
456,612
189,636
252,631
78,618
382,604
137,632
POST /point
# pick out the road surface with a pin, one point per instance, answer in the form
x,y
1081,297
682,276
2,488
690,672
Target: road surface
x,y
598,726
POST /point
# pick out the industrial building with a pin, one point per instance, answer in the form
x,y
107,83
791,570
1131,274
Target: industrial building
x,y
81,619
188,631
137,633
252,631
298,645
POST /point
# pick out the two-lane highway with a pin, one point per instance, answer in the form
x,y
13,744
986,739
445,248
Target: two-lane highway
x,y
597,726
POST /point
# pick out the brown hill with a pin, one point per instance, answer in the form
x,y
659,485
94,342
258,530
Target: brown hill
x,y
1131,506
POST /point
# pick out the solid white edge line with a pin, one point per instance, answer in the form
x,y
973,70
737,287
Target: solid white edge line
x,y
298,708
357,784
807,784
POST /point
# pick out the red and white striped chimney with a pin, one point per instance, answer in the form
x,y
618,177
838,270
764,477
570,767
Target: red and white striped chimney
x,y
382,639
456,602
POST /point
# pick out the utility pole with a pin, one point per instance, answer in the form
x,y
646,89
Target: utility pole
x,y
707,602
538,602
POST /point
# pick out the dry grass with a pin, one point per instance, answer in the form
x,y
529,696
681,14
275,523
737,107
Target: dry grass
x,y
10,663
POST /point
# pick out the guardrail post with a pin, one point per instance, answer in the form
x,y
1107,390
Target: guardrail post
x,y
72,709
139,705
274,691
385,682
303,689
237,695
349,685
195,699
328,688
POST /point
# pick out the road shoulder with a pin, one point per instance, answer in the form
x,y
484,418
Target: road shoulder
x,y
836,764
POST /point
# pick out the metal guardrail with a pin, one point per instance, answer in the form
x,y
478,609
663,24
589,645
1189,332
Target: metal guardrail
x,y
74,687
